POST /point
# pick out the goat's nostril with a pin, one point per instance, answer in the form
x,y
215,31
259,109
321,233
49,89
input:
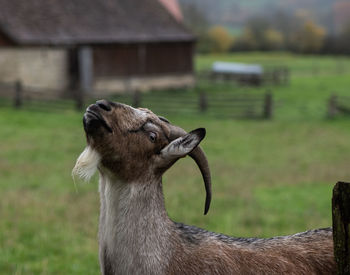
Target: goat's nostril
x,y
104,104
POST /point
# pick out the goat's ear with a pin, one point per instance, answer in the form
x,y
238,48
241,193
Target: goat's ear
x,y
181,146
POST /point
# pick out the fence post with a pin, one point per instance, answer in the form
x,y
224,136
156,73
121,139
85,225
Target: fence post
x,y
136,99
18,100
341,226
79,99
332,106
276,74
285,75
203,102
268,105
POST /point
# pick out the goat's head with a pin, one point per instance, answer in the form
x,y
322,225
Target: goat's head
x,y
132,144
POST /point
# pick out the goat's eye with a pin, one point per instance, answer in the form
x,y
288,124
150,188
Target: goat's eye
x,y
152,136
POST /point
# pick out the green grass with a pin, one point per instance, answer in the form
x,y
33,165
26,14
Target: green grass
x,y
313,79
299,65
269,177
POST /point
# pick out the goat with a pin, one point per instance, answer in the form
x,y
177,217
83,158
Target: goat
x,y
132,148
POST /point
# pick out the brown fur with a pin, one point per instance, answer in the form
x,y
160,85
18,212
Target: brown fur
x,y
136,234
134,156
283,257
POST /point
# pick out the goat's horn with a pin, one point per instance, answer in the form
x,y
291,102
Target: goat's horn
x,y
201,160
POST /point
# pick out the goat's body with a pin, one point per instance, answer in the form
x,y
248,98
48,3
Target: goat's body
x,y
132,148
137,237
304,253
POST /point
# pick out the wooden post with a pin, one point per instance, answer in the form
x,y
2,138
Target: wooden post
x,y
79,99
268,105
315,69
142,57
267,76
276,76
203,102
332,106
136,99
18,100
285,75
341,226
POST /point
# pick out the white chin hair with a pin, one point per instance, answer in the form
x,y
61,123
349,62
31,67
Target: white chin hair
x,y
86,164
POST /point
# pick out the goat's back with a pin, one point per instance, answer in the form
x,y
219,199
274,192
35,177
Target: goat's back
x,y
205,252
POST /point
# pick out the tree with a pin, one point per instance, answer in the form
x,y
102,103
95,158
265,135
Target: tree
x,y
343,40
309,38
258,35
195,18
255,30
247,41
221,40
273,39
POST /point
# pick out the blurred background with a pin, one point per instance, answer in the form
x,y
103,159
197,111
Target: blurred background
x,y
269,80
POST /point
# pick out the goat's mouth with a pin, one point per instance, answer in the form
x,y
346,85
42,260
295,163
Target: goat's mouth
x,y
93,120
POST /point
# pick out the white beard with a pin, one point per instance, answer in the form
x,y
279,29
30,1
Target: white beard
x,y
86,164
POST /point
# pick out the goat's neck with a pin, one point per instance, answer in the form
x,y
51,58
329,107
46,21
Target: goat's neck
x,y
135,230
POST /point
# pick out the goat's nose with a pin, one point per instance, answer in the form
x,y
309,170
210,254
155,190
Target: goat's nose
x,y
104,104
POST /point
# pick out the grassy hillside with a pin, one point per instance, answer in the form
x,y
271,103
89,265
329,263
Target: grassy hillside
x,y
269,177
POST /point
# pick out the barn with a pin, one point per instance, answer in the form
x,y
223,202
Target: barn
x,y
99,46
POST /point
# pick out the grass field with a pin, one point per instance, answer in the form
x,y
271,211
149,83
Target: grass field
x,y
313,80
269,177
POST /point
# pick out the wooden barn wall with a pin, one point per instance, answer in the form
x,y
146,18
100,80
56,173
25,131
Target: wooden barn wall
x,y
143,59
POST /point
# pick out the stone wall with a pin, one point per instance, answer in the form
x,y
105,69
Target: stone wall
x,y
41,68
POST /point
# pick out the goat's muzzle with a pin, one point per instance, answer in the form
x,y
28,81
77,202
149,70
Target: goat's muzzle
x,y
93,118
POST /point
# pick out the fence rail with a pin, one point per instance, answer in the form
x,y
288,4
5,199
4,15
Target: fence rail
x,y
37,98
276,76
218,104
338,105
215,104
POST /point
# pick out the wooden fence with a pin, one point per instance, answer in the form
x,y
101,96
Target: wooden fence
x,y
274,76
237,105
277,76
218,104
38,99
221,105
338,105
